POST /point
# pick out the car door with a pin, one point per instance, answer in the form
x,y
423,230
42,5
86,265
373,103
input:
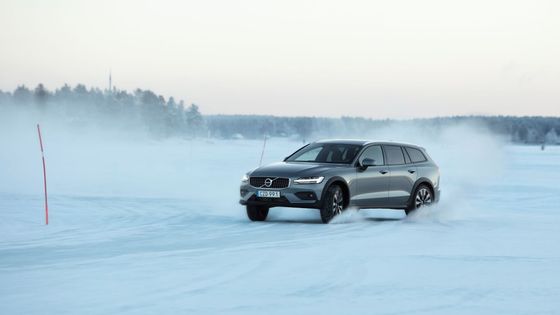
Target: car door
x,y
402,175
372,183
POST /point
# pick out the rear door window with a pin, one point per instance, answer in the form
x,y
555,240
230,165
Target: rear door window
x,y
416,155
394,155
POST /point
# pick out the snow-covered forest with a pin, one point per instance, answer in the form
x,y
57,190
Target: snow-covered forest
x,y
78,107
160,117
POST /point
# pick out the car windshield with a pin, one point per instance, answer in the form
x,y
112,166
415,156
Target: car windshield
x,y
326,153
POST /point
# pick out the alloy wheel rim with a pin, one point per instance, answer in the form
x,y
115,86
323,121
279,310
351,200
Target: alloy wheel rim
x,y
423,198
338,203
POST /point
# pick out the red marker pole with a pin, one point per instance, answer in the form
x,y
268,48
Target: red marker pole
x,y
44,176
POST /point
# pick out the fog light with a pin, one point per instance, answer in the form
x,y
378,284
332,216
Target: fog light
x,y
306,195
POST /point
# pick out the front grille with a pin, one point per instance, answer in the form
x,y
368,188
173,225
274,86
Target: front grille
x,y
277,182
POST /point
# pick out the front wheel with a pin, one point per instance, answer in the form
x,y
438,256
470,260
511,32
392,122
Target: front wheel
x,y
257,213
333,204
423,196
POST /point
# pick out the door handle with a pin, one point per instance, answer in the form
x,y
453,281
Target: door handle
x,y
411,171
383,172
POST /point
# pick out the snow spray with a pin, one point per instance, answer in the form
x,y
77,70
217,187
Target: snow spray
x,y
44,176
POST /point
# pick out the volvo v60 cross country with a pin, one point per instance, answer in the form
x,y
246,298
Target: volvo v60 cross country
x,y
332,175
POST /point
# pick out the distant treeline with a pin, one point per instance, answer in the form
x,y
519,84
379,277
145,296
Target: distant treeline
x,y
80,106
161,118
529,130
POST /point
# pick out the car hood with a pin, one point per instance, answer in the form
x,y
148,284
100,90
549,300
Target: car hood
x,y
294,169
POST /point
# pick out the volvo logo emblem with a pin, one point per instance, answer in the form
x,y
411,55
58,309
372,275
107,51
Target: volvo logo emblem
x,y
268,182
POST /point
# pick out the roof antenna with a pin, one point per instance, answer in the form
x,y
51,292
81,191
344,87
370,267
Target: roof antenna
x,y
110,90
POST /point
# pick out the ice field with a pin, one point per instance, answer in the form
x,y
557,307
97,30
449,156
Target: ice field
x,y
154,227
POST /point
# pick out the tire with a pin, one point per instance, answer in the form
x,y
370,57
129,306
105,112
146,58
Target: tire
x,y
333,204
423,196
257,213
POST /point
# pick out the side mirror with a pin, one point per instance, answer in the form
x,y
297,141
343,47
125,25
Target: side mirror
x,y
367,162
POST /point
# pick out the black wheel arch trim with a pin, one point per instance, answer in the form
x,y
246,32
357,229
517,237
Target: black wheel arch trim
x,y
329,183
420,181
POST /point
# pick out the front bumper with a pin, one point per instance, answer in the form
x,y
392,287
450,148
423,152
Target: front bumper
x,y
297,196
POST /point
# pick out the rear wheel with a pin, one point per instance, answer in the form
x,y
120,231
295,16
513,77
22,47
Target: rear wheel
x,y
257,213
423,196
333,204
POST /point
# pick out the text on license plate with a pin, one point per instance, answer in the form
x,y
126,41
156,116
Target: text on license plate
x,y
268,194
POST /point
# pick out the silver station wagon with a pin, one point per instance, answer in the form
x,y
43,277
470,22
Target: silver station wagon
x,y
332,175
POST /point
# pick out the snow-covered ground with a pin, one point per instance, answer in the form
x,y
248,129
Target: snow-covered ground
x,y
154,227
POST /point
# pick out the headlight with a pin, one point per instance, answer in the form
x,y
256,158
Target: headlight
x,y
309,180
245,178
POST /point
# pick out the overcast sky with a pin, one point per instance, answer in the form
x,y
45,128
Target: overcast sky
x,y
395,59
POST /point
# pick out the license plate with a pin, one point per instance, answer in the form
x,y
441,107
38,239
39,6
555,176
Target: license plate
x,y
268,194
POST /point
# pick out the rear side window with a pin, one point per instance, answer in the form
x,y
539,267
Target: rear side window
x,y
416,155
394,155
406,157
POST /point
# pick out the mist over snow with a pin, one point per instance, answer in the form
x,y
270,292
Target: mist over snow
x,y
115,160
